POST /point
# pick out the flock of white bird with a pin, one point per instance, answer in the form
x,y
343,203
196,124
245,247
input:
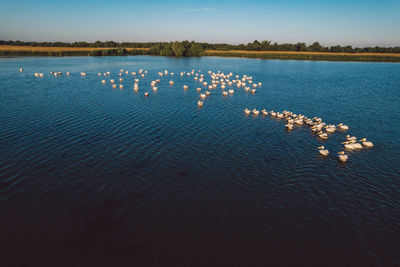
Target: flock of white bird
x,y
319,128
227,83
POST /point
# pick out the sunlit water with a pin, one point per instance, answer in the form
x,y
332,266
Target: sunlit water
x,y
95,175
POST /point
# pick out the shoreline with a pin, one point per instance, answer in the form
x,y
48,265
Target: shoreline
x,y
32,51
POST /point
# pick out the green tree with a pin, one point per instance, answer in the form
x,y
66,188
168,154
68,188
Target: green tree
x,y
315,47
196,50
178,49
167,50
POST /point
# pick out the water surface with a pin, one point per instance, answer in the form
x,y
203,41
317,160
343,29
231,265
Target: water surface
x,y
95,175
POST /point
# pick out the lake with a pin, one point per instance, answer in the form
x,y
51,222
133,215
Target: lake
x,y
96,176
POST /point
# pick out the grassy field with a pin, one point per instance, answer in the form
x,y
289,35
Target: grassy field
x,y
9,50
291,55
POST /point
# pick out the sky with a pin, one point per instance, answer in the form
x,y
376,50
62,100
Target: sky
x,y
358,23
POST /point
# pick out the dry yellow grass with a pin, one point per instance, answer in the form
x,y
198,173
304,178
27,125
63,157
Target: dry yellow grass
x,y
55,49
241,52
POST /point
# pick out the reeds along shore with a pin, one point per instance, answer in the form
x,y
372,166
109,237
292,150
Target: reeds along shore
x,y
8,50
323,56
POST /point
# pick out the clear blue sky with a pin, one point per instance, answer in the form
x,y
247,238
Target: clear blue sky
x,y
351,22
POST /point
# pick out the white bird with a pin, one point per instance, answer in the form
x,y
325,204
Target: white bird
x,y
146,94
322,135
185,87
255,112
351,138
200,103
224,93
264,112
289,126
343,157
247,111
21,70
343,127
366,143
323,151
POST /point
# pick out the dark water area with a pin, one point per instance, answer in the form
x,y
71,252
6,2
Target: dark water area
x,y
96,176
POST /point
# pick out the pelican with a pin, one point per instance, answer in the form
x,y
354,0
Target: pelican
x,y
171,82
231,91
289,126
40,74
343,127
68,73
264,112
36,74
351,145
200,103
99,74
146,94
343,157
185,87
351,138
224,93
21,70
198,89
203,96
273,113
330,128
83,74
155,88
121,86
114,85
247,111
136,89
208,93
323,151
255,112
298,121
103,81
112,81
366,143
322,135
253,91
120,79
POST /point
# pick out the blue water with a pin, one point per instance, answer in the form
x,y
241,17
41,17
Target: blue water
x,y
91,175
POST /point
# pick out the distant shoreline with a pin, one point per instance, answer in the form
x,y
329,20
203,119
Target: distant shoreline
x,y
15,51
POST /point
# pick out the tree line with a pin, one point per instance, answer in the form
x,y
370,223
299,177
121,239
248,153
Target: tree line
x,y
187,48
